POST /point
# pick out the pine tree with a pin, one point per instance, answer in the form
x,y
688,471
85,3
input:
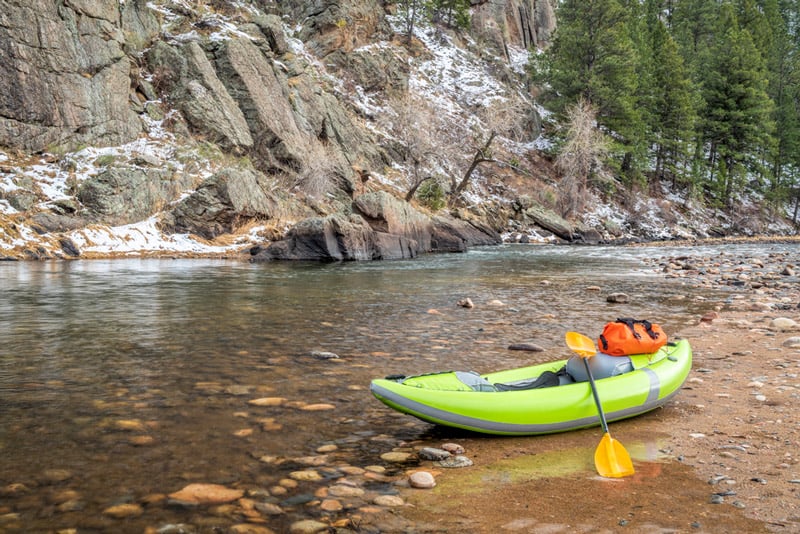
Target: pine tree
x,y
783,62
736,119
672,104
593,58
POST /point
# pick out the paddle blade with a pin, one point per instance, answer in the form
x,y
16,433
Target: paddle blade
x,y
611,459
581,345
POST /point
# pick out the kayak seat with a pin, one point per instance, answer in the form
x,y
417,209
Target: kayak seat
x,y
602,366
545,380
475,381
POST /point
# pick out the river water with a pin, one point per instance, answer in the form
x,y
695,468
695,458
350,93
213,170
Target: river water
x,y
123,379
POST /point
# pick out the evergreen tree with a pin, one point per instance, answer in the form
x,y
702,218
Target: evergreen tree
x,y
593,58
672,106
454,13
736,119
784,89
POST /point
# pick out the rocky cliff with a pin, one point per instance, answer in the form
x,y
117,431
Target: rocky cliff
x,y
233,122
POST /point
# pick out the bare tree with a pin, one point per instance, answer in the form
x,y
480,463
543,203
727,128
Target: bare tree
x,y
502,117
411,11
414,131
580,158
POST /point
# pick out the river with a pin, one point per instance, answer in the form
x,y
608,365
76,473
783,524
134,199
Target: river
x,y
124,379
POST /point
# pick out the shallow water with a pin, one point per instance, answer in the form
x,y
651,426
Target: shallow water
x,y
124,378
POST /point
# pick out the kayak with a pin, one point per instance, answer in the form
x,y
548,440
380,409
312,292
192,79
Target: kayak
x,y
513,402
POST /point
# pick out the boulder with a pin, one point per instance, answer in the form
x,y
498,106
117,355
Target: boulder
x,y
333,238
456,235
390,215
220,203
550,221
123,195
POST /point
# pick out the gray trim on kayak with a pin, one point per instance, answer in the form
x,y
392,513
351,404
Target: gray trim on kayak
x,y
435,415
655,385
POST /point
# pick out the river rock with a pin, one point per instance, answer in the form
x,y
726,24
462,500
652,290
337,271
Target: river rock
x,y
308,475
455,461
396,457
453,448
267,401
344,490
121,511
390,501
308,526
528,347
205,494
247,528
792,343
617,298
324,355
421,480
431,453
783,324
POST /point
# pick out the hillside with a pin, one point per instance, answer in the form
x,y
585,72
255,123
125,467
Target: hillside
x,y
283,130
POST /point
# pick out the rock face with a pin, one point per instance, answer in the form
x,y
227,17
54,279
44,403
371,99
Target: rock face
x,y
66,71
527,23
101,72
381,228
222,202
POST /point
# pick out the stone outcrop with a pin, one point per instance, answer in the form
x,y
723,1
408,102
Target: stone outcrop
x,y
381,227
193,87
524,23
221,204
66,71
122,195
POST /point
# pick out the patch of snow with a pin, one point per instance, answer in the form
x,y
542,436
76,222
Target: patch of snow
x,y
139,237
6,209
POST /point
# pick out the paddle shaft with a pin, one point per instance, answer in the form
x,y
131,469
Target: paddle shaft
x,y
596,395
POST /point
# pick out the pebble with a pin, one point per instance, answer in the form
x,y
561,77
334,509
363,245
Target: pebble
x,y
205,494
396,457
308,475
342,490
267,401
308,526
324,355
453,448
318,407
421,480
121,511
434,454
466,303
455,461
792,343
783,324
390,501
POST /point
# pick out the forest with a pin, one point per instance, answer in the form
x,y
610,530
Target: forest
x,y
701,94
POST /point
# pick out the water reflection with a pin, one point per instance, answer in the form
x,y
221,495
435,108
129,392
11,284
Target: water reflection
x,y
134,376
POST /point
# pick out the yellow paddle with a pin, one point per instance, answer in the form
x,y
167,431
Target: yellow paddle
x,y
610,458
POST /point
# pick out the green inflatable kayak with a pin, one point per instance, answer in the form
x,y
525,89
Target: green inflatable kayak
x,y
541,399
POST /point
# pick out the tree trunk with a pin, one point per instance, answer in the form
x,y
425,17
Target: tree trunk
x,y
482,155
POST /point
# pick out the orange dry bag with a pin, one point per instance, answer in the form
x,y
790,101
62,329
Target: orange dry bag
x,y
631,336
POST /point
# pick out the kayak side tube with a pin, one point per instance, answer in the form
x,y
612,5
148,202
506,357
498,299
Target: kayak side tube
x,y
435,398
